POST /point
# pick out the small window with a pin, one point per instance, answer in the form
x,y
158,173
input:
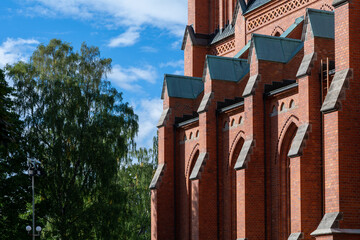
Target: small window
x,y
292,104
274,109
191,135
241,120
233,122
282,108
197,134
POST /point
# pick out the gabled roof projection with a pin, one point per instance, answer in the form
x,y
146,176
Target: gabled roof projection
x,y
275,49
182,86
196,38
322,23
227,69
293,26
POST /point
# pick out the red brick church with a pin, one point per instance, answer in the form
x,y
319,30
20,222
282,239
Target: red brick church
x,y
261,137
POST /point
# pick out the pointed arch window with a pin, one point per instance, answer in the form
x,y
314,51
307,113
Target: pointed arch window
x,y
190,192
284,183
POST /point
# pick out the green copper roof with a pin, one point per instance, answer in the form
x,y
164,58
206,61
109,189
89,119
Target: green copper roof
x,y
182,86
227,69
275,49
293,26
322,23
243,50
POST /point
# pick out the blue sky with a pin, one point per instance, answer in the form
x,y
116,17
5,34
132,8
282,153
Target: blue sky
x,y
143,38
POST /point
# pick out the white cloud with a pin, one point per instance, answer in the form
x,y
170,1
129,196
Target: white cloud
x,y
177,44
13,50
129,78
149,111
178,65
167,14
179,72
128,38
173,64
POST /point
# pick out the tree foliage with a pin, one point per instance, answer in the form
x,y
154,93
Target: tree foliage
x,y
77,125
137,178
14,190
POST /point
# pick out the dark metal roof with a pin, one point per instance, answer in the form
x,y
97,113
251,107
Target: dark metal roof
x,y
227,69
337,3
275,49
279,87
254,4
186,119
197,39
187,122
182,86
322,23
229,104
222,34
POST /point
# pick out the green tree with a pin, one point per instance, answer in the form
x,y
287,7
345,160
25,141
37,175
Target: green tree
x,y
14,184
137,176
77,125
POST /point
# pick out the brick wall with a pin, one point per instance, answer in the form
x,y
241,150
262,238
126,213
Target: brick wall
x,y
274,195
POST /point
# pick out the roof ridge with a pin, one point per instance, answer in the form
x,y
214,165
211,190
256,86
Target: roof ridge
x,y
181,76
320,11
226,58
277,38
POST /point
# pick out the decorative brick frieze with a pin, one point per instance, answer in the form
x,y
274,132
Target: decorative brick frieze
x,y
223,48
272,15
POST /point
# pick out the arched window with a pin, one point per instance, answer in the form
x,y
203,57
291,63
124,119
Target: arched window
x,y
230,194
284,213
277,34
226,125
190,212
282,108
292,104
197,134
241,120
191,135
233,122
274,110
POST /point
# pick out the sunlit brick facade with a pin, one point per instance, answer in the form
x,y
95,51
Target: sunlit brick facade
x,y
260,138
